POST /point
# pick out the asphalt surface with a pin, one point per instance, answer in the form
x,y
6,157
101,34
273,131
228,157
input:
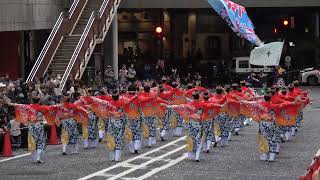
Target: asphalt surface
x,y
166,161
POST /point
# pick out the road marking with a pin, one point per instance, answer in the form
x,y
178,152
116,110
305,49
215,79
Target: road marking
x,y
146,163
15,157
130,160
156,170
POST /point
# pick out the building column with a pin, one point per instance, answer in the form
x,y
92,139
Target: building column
x,y
21,50
192,32
317,34
114,33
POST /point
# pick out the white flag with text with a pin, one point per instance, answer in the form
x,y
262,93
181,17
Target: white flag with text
x,y
267,55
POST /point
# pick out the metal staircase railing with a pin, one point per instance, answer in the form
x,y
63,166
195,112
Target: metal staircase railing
x,y
62,27
96,29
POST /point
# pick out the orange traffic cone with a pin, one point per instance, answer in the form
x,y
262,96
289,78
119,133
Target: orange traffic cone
x,y
7,148
53,135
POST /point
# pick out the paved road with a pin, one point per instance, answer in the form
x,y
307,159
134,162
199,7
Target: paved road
x,y
166,161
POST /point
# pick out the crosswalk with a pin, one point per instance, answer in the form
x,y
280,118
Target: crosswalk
x,y
148,163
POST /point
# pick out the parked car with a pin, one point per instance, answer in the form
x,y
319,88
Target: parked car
x,y
310,76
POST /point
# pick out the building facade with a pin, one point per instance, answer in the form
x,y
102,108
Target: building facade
x,y
191,31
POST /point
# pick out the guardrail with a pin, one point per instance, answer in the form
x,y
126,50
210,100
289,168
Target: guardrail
x,y
95,26
84,40
46,47
62,27
73,8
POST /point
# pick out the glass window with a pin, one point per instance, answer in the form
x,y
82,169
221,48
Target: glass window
x,y
244,64
255,66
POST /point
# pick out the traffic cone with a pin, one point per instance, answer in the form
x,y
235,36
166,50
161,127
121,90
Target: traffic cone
x,y
53,135
7,148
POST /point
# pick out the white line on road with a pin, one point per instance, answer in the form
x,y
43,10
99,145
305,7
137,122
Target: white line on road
x,y
146,163
15,157
156,170
132,159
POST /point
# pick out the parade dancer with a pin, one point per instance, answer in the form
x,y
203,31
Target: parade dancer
x,y
176,98
116,129
265,114
148,116
249,93
90,132
70,133
221,119
234,97
207,119
194,144
164,115
133,134
228,118
286,130
294,91
210,111
33,115
37,138
267,132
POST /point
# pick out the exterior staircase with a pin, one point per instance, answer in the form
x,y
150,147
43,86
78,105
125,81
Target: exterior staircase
x,y
73,39
69,43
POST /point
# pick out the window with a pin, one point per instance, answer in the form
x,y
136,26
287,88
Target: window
x,y
244,64
255,66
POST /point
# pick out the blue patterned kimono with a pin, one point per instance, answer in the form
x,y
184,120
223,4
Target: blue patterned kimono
x,y
37,132
151,123
70,126
268,130
208,130
225,124
92,127
166,120
135,127
194,132
117,130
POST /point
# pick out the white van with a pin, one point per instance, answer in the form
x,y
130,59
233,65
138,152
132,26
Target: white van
x,y
241,65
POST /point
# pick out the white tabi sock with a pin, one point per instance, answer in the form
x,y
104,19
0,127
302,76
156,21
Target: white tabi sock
x,y
153,140
150,141
229,137
204,145
272,157
64,148
117,155
287,136
111,155
85,144
198,152
163,133
137,145
131,147
39,151
178,131
218,139
236,129
34,155
293,130
208,145
263,157
101,134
